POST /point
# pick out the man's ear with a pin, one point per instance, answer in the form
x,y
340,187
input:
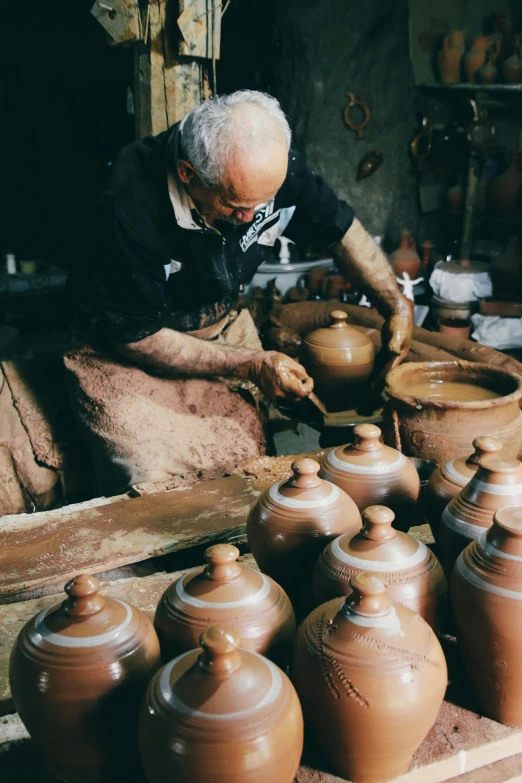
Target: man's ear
x,y
186,171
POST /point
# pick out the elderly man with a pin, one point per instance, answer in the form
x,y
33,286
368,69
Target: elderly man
x,y
187,218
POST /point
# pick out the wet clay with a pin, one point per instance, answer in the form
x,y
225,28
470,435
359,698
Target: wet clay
x,y
371,676
78,672
222,714
447,390
292,522
225,591
486,591
411,572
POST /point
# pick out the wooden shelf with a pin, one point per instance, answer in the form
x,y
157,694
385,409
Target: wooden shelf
x,y
466,87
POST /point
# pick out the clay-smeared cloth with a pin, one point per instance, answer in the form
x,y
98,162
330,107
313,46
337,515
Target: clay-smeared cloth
x,y
140,426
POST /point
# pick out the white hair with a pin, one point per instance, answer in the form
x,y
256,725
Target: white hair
x,y
219,128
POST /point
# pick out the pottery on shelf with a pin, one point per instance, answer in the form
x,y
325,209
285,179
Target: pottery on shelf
x,y
374,474
339,358
371,677
291,523
475,57
512,66
452,476
496,484
78,672
405,258
412,574
486,593
428,416
222,714
225,592
504,191
488,73
450,56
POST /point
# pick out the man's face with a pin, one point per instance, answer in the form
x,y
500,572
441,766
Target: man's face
x,y
248,183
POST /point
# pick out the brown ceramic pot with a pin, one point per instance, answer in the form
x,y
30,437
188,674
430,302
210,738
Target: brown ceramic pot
x,y
458,328
291,523
374,474
488,73
78,673
504,191
443,308
225,592
339,358
512,67
486,593
451,477
450,56
405,258
426,426
371,677
410,571
496,484
225,714
476,56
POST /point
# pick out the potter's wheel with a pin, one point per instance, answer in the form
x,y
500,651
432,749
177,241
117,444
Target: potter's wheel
x,y
305,411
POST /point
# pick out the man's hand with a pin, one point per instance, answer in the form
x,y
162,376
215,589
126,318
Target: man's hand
x,y
277,375
395,338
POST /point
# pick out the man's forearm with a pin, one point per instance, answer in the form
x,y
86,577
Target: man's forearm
x,y
360,259
183,355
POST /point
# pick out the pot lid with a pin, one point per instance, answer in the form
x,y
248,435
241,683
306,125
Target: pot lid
x,y
304,490
510,519
85,618
369,605
339,334
223,582
461,469
378,546
366,454
221,682
463,266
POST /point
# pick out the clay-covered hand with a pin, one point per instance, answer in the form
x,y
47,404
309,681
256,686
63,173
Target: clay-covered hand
x,y
278,375
395,337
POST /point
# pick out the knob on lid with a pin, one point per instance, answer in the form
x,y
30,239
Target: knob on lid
x,y
220,650
367,450
83,596
510,519
369,598
304,484
222,563
483,446
367,438
377,523
338,319
342,335
222,581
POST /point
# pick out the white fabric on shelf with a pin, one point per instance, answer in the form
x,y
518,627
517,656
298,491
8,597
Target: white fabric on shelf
x,y
497,332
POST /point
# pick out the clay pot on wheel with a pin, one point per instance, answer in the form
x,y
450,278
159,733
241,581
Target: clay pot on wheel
x,y
405,258
367,705
412,574
486,592
449,478
291,523
496,484
78,672
374,474
224,591
340,360
220,715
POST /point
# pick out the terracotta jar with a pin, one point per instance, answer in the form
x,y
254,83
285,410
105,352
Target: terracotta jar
x,y
339,358
486,593
512,67
78,673
488,73
224,591
371,677
427,415
410,571
450,56
452,476
291,523
458,328
405,258
475,57
374,474
504,191
225,714
496,484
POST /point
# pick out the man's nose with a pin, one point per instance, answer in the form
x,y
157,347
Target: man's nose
x,y
245,215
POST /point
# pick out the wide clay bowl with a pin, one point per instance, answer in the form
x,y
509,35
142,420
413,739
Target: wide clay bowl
x,y
371,677
78,672
220,715
412,574
374,474
226,592
291,523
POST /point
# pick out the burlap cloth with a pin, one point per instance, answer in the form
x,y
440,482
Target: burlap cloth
x,y
141,427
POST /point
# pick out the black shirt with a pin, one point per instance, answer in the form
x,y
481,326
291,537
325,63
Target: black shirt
x,y
151,262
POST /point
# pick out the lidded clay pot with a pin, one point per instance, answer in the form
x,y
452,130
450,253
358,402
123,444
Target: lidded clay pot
x,y
78,673
448,479
339,358
486,593
224,714
371,677
291,523
496,484
405,258
224,591
374,474
411,572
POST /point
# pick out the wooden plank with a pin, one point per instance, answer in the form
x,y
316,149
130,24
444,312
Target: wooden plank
x,y
51,547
